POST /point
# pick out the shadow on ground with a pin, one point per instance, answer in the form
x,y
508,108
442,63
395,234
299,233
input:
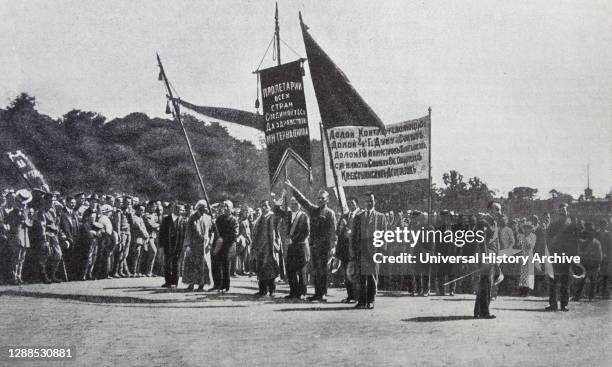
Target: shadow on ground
x,y
438,318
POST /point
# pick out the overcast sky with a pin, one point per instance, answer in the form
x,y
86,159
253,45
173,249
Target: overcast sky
x,y
521,91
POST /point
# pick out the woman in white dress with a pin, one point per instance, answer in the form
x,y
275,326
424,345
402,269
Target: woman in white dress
x,y
526,242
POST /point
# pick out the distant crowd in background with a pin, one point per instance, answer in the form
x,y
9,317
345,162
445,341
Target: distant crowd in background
x,y
47,237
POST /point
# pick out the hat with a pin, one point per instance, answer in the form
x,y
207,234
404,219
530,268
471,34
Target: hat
x,y
200,203
106,208
23,196
79,194
333,264
496,206
56,193
94,197
415,213
572,270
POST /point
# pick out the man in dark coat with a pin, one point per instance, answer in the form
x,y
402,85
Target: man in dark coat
x,y
363,250
483,289
225,237
445,270
46,229
171,237
562,238
344,232
298,228
322,240
69,234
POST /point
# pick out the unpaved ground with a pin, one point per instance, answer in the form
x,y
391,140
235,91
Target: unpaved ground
x,y
133,322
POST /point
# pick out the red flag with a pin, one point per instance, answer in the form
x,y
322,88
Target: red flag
x,y
339,103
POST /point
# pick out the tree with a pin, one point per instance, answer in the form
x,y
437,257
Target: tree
x,y
561,196
523,193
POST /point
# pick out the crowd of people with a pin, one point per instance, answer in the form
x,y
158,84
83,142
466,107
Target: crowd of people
x,y
55,238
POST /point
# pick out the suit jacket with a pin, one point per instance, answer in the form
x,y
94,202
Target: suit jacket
x,y
172,234
227,225
344,233
363,238
69,227
562,237
298,228
322,223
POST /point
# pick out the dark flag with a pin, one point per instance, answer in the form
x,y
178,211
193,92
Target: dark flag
x,y
27,170
339,103
285,117
240,117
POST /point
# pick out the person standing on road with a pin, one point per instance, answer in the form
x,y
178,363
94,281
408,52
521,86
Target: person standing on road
x,y
323,238
363,250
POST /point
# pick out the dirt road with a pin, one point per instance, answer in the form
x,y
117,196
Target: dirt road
x,y
134,322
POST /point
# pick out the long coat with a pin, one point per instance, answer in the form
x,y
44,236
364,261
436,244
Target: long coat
x,y
172,235
362,246
266,246
197,269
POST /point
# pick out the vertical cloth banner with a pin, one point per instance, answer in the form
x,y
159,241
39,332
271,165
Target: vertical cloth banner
x,y
27,170
285,117
365,156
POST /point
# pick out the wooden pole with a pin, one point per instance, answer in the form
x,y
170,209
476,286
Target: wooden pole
x,y
277,35
429,183
177,116
325,137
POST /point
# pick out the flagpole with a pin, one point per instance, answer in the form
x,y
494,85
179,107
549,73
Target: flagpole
x,y
277,35
331,164
177,116
429,184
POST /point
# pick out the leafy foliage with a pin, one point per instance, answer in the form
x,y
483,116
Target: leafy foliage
x,y
135,154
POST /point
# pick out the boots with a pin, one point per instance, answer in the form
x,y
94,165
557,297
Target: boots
x,y
54,267
43,274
